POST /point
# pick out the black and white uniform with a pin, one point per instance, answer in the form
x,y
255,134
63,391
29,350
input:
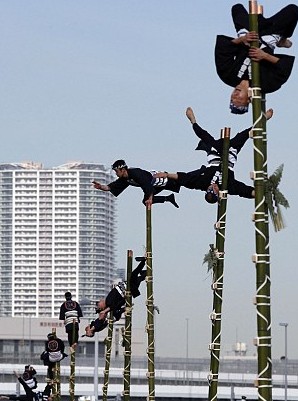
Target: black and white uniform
x,y
138,177
115,299
31,395
29,377
70,311
232,60
54,352
202,178
55,349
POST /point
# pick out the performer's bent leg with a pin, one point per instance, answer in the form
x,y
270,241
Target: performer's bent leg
x,y
240,17
162,199
138,269
137,276
284,22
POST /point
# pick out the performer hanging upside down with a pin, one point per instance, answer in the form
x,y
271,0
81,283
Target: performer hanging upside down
x,y
96,325
233,55
70,312
207,178
140,178
115,300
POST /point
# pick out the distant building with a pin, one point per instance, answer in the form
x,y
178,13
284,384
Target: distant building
x,y
57,234
22,339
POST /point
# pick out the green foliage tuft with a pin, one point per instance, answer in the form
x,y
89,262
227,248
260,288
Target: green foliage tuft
x,y
275,199
211,258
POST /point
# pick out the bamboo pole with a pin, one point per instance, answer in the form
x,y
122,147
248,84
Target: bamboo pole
x,y
127,332
217,284
150,308
262,257
72,364
108,342
56,377
267,243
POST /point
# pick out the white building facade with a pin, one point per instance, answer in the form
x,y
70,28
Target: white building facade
x,y
57,234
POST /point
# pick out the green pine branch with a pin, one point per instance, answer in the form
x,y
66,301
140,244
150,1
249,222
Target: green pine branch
x,y
211,258
275,199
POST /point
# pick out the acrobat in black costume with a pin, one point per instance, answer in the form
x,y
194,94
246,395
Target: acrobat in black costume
x,y
138,177
232,58
115,299
71,312
29,376
54,352
30,394
204,177
208,178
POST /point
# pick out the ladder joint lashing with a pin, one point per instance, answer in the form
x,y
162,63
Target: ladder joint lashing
x,y
260,258
215,316
220,225
257,175
217,286
223,194
214,346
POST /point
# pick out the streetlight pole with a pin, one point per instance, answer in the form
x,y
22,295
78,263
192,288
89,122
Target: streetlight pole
x,y
187,320
285,325
95,380
87,301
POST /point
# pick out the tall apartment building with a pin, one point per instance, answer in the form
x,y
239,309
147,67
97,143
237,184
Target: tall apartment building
x,y
57,234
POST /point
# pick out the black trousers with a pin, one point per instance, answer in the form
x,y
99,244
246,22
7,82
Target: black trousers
x,y
282,23
201,179
69,330
30,395
171,185
137,276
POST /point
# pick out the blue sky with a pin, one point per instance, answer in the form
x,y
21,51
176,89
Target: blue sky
x,y
100,80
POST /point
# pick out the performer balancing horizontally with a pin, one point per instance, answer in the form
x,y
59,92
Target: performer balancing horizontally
x,y
70,312
233,55
115,300
140,178
207,178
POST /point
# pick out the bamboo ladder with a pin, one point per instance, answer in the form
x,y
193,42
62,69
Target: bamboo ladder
x,y
218,270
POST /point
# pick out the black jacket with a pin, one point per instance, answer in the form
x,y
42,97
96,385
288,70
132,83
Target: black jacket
x,y
229,58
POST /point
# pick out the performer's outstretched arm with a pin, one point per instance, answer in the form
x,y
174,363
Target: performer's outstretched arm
x,y
98,185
